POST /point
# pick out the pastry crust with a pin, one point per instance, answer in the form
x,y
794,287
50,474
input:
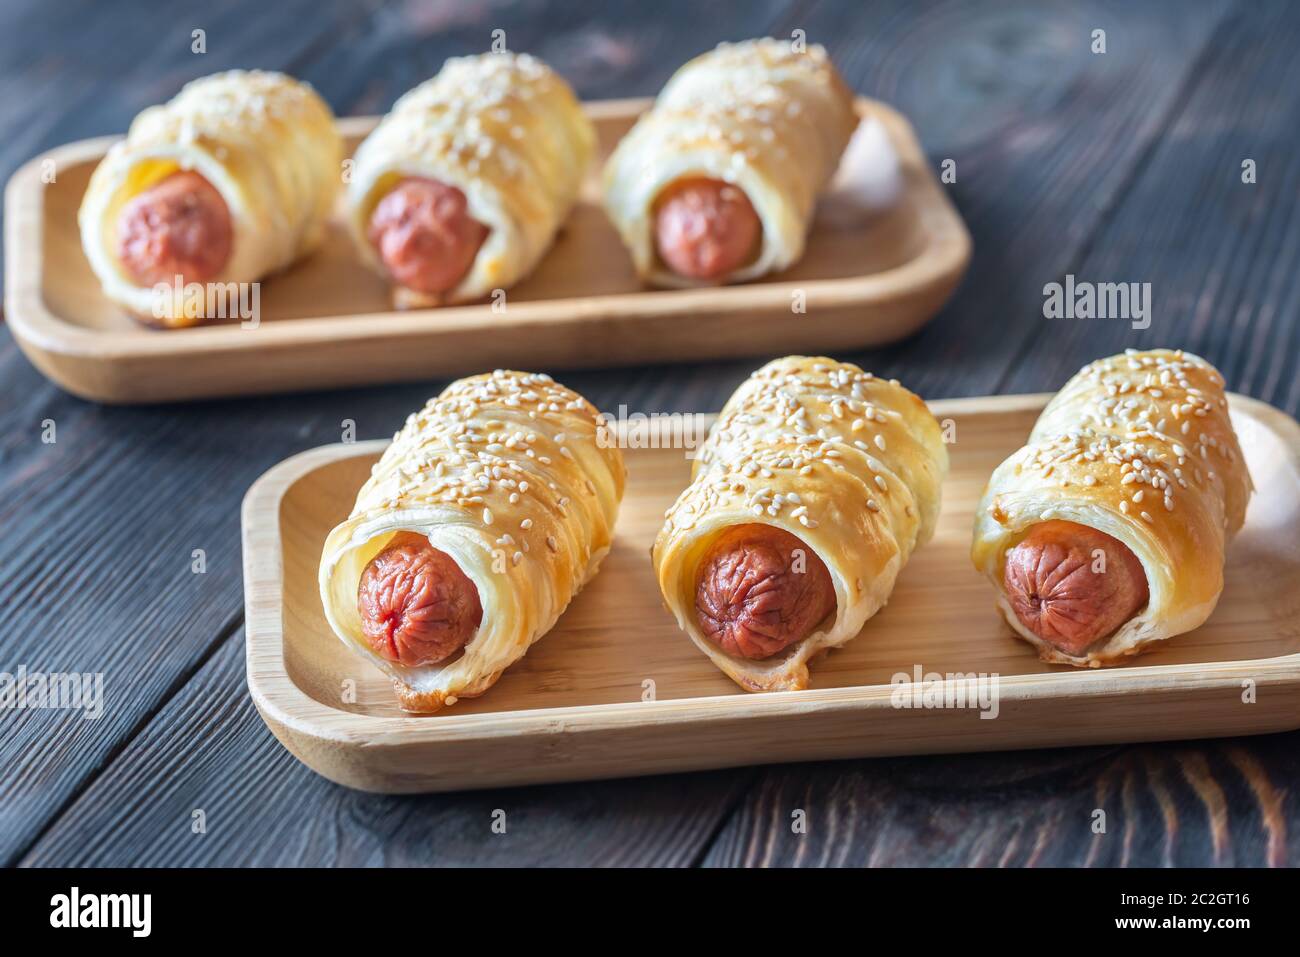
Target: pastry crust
x,y
505,130
847,462
265,141
513,477
756,114
1139,446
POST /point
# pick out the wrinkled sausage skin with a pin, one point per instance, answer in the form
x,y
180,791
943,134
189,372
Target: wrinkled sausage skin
x,y
180,226
1055,592
705,228
416,606
751,601
425,235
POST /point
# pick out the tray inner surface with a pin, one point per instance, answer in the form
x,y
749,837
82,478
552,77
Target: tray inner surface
x,y
617,635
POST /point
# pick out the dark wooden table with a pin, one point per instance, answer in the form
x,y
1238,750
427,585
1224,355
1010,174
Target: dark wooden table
x,y
1117,166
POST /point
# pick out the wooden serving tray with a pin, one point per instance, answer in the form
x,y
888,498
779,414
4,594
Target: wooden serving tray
x,y
572,708
872,273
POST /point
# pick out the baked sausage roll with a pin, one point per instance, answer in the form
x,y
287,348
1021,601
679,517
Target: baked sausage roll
x,y
231,180
489,511
460,189
1106,532
717,182
815,485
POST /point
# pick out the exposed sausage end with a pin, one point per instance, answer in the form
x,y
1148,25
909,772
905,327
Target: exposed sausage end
x,y
705,228
1072,585
180,226
425,235
761,590
416,605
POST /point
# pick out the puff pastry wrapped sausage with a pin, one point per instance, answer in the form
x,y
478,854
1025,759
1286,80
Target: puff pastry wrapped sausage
x,y
718,181
1106,532
231,180
489,511
817,476
461,188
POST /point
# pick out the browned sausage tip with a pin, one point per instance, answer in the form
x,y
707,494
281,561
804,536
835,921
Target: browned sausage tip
x,y
1072,585
416,606
761,590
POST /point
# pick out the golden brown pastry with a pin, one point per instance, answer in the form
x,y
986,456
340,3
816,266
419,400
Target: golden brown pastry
x,y
491,509
1106,533
228,182
462,187
810,494
717,182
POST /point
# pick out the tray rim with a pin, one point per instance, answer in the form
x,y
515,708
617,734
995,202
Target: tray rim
x,y
281,702
943,259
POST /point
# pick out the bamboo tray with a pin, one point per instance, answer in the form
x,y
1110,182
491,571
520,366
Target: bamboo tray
x,y
572,709
874,271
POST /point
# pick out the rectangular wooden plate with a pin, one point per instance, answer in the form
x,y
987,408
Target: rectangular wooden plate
x,y
572,708
870,275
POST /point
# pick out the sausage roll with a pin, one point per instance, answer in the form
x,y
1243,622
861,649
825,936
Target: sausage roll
x,y
717,182
1106,532
461,188
815,485
489,511
231,180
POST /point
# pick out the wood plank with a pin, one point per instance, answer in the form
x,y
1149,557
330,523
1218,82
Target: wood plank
x,y
1221,255
208,750
1206,804
613,49
1044,133
87,540
1019,160
135,490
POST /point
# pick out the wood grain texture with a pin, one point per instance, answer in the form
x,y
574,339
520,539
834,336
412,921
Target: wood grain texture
x,y
128,485
1189,205
207,750
1051,145
1213,804
1045,136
